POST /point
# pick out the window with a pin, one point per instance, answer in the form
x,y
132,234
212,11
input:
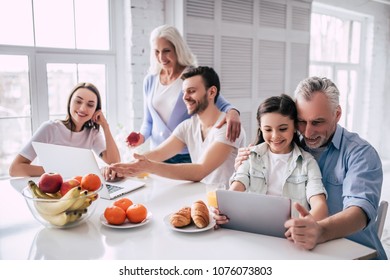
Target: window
x,y
15,112
336,49
58,24
46,47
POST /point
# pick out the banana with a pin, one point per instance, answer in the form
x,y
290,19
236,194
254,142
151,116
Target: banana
x,y
94,197
60,205
36,191
74,216
84,206
79,202
57,220
77,212
56,195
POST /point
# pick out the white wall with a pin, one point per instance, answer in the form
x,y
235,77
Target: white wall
x,y
385,147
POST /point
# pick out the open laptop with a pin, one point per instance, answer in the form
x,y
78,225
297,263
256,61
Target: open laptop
x,y
256,213
72,161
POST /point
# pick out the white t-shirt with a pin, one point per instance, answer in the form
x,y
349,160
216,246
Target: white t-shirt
x,y
277,171
165,98
189,132
55,132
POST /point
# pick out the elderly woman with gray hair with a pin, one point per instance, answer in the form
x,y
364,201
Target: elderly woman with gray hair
x,y
164,108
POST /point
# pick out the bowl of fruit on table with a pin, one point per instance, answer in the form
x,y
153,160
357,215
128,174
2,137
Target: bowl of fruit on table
x,y
59,203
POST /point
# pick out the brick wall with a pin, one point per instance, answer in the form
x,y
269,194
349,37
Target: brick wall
x,y
145,15
140,18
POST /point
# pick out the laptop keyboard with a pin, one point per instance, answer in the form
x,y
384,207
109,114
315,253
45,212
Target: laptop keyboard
x,y
112,188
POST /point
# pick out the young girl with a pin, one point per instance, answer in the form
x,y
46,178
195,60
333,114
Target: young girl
x,y
277,165
79,129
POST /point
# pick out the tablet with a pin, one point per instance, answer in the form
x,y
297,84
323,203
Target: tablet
x,y
256,213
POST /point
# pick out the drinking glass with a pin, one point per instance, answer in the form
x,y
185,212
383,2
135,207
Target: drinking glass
x,y
212,195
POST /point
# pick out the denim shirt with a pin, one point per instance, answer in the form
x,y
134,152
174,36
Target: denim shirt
x,y
353,176
302,177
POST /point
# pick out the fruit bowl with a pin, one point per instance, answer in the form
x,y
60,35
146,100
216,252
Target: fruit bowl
x,y
65,212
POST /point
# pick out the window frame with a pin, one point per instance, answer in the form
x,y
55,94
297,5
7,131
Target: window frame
x,y
38,57
356,118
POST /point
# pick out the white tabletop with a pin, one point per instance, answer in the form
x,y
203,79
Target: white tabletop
x,y
22,237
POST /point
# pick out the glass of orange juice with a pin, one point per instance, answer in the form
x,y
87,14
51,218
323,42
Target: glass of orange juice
x,y
212,195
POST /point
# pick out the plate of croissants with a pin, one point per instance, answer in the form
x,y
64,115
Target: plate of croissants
x,y
192,219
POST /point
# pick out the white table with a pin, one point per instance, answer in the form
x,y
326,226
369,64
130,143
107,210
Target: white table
x,y
22,237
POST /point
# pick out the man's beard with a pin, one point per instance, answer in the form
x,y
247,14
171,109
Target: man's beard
x,y
200,107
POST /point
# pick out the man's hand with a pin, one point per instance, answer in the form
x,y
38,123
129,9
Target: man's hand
x,y
303,231
233,125
130,169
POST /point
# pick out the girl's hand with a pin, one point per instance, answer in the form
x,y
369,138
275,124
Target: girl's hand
x,y
219,218
98,117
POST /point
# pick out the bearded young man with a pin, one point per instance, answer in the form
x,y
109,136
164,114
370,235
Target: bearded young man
x,y
211,153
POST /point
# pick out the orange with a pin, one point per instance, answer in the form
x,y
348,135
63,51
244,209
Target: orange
x,y
115,215
136,213
78,178
123,203
90,182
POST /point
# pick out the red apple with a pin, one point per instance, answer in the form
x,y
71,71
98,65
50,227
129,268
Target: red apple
x,y
50,182
67,185
133,138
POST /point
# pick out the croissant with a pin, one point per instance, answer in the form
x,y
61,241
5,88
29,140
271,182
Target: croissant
x,y
200,214
181,218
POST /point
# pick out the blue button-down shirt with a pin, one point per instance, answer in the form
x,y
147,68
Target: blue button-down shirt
x,y
352,175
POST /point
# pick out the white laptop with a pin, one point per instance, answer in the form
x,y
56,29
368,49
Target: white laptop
x,y
256,213
71,161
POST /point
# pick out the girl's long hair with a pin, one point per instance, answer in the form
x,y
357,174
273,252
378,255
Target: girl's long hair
x,y
283,105
68,122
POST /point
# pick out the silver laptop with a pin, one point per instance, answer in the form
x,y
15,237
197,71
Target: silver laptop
x,y
72,161
256,213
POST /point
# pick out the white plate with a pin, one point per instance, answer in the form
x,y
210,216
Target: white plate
x,y
191,228
126,224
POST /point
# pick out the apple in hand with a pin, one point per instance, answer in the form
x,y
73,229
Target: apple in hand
x,y
67,185
133,138
50,182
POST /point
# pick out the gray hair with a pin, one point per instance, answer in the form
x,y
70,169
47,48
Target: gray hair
x,y
185,57
307,87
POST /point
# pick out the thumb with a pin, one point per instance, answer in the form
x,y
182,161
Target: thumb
x,y
138,156
301,210
221,123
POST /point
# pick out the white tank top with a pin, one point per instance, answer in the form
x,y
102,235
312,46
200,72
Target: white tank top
x,y
277,172
165,98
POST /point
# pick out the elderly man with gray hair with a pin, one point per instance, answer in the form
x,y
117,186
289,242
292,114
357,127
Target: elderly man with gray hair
x,y
351,171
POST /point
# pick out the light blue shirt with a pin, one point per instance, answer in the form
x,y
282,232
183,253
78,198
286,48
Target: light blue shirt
x,y
154,127
352,174
302,178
